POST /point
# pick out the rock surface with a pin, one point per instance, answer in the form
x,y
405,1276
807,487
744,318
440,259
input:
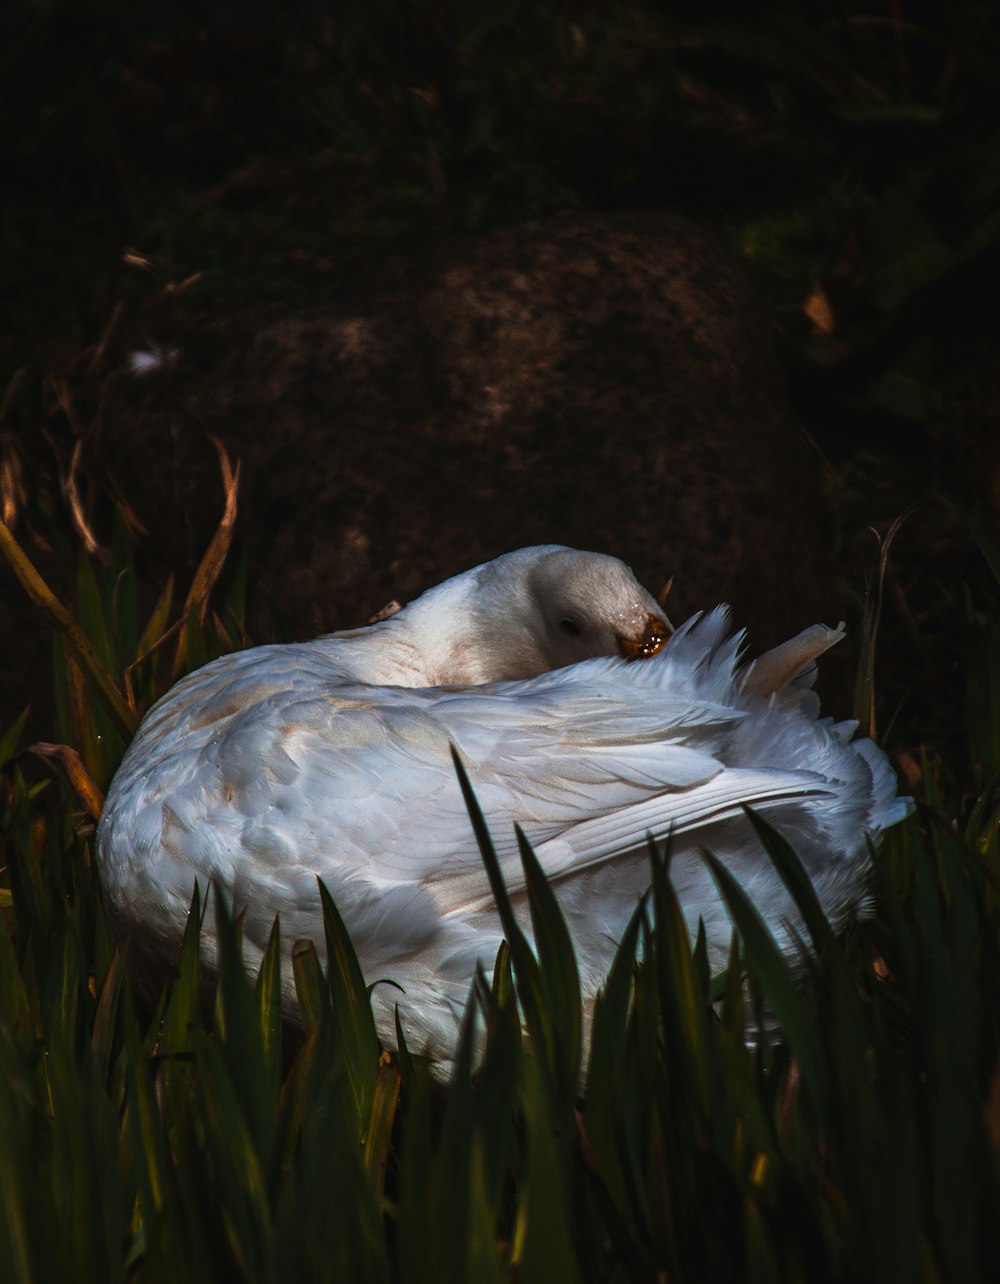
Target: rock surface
x,y
605,381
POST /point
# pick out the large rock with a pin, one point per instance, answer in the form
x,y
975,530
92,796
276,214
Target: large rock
x,y
603,381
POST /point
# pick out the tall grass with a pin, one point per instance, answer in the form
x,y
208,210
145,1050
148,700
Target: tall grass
x,y
205,1141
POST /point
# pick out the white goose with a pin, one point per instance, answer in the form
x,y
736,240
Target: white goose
x,y
332,758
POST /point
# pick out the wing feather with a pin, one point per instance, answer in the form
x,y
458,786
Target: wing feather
x,y
596,841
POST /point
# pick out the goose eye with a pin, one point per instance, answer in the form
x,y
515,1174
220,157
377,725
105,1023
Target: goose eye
x,y
570,627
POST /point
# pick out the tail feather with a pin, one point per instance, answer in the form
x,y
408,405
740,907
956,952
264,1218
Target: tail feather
x,y
792,664
887,807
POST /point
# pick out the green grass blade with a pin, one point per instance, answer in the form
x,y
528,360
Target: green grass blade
x,y
560,977
106,1018
267,995
378,1132
309,983
76,639
525,965
11,738
766,961
352,1009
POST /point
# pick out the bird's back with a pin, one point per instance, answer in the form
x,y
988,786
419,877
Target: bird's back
x,y
270,769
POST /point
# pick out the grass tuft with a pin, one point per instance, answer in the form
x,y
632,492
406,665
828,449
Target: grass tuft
x,y
204,1140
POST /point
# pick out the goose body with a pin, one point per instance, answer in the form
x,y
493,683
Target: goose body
x,y
274,766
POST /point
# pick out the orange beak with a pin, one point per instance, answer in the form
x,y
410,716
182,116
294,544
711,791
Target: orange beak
x,y
651,642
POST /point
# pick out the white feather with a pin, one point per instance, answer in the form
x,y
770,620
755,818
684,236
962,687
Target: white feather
x,y
275,766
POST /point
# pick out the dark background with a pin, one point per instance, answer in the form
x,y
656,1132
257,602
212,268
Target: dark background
x,y
849,153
